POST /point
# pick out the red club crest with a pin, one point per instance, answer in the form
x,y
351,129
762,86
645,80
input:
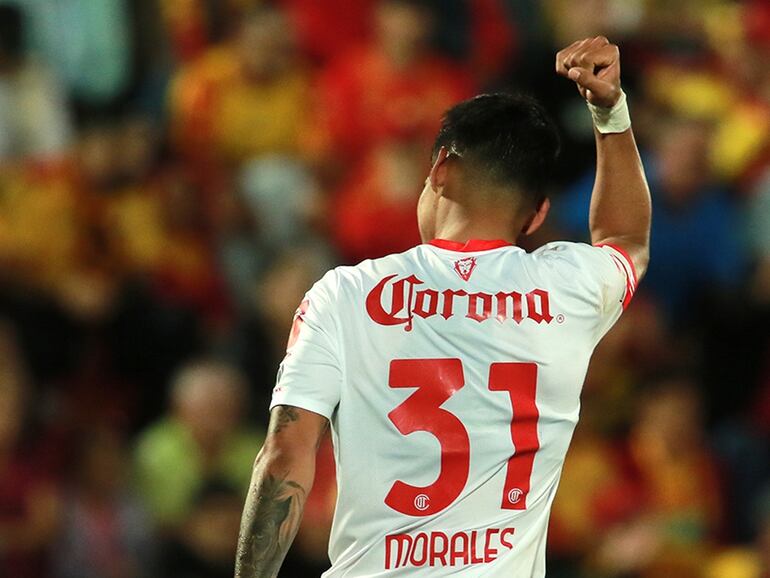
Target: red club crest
x,y
464,267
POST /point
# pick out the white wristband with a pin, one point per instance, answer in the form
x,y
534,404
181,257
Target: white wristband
x,y
611,120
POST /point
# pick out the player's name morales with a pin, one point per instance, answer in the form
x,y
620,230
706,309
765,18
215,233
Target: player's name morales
x,y
446,549
408,300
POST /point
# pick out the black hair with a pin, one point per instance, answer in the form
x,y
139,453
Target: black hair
x,y
11,32
506,140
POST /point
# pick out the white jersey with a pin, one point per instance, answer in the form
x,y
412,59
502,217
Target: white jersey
x,y
451,375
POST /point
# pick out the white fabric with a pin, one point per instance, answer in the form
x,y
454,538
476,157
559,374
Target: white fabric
x,y
342,362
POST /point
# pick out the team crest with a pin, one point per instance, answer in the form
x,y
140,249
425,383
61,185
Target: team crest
x,y
464,267
299,319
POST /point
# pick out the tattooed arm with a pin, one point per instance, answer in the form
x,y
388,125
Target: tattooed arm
x,y
282,478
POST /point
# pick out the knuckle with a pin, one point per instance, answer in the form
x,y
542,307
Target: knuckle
x,y
585,59
574,58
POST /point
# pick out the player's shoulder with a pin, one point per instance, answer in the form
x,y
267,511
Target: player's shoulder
x,y
569,253
564,249
361,274
572,262
341,287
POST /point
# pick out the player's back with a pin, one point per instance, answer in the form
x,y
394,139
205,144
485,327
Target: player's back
x,y
453,385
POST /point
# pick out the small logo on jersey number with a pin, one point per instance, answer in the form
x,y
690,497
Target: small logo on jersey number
x,y
464,267
515,495
422,502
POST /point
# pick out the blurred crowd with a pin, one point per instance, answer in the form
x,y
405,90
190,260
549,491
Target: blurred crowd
x,y
174,174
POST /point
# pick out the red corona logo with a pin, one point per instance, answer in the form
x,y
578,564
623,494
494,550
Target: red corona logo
x,y
399,301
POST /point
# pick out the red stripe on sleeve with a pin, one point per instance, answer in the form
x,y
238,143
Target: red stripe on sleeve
x,y
629,293
626,256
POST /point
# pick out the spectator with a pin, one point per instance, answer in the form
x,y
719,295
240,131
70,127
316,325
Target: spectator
x,y
51,217
281,194
332,28
245,98
746,562
74,231
394,87
680,511
265,325
479,31
156,227
595,494
34,120
201,438
105,531
206,548
88,44
380,195
274,205
692,212
193,25
732,90
29,505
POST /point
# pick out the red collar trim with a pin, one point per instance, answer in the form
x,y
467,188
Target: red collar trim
x,y
470,246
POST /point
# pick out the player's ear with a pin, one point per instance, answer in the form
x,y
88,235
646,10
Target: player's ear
x,y
538,218
438,172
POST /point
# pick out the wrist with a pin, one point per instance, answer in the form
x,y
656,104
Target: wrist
x,y
611,120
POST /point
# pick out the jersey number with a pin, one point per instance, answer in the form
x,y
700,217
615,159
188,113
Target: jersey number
x,y
436,381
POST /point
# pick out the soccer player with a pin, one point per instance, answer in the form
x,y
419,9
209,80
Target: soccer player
x,y
451,373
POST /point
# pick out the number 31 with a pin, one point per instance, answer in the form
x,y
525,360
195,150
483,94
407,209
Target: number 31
x,y
436,381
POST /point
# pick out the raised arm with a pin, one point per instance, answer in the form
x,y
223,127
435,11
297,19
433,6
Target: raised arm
x,y
282,479
620,204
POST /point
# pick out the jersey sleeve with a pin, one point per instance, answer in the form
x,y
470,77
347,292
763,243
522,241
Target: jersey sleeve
x,y
310,376
602,277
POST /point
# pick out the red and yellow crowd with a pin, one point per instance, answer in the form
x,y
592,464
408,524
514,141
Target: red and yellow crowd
x,y
174,174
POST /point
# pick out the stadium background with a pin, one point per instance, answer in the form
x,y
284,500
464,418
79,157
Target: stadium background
x,y
174,174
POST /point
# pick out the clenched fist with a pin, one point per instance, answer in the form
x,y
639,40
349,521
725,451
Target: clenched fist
x,y
594,65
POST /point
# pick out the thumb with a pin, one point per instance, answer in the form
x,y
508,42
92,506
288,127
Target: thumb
x,y
589,81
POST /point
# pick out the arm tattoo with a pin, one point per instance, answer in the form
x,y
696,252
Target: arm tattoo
x,y
273,510
270,520
284,416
